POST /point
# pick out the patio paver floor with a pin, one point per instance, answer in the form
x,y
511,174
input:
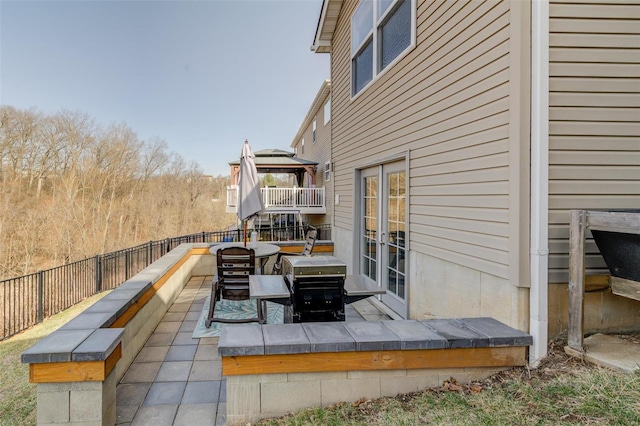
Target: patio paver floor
x,y
175,379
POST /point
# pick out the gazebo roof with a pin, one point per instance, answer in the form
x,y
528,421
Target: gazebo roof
x,y
277,161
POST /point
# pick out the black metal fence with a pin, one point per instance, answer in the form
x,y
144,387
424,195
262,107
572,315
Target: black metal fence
x,y
28,300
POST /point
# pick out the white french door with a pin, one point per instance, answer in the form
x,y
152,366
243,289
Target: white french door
x,y
383,231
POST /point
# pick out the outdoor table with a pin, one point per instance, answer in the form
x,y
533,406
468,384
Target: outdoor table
x,y
262,251
268,288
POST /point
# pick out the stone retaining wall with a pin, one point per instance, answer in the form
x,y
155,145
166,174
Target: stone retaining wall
x,y
272,370
77,367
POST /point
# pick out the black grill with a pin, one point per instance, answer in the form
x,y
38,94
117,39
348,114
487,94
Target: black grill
x,y
317,287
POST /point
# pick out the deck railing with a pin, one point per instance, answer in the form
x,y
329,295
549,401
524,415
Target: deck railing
x,y
27,300
284,198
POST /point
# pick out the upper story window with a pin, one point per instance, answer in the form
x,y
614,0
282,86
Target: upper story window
x,y
302,146
327,171
313,134
327,111
381,32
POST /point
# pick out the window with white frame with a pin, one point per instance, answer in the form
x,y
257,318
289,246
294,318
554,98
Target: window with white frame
x,y
327,111
327,171
381,31
302,146
313,135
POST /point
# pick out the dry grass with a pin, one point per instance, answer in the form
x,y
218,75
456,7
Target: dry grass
x,y
17,395
562,390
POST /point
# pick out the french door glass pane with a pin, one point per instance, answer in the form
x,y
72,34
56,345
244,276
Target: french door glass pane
x,y
395,221
369,233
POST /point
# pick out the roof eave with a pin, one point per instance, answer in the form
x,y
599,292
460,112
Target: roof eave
x,y
326,26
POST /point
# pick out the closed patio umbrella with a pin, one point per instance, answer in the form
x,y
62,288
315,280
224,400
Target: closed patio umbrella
x,y
249,195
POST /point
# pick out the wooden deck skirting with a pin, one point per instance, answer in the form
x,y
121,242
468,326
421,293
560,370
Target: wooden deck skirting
x,y
374,360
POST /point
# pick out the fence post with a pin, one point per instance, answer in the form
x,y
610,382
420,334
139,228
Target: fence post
x,y
40,296
127,264
167,246
203,236
149,249
98,274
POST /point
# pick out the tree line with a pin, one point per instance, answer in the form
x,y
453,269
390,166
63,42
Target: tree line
x,y
71,189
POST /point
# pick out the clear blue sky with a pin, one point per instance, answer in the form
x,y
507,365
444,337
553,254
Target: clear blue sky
x,y
202,75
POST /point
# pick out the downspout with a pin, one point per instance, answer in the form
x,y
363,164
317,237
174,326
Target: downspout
x,y
538,297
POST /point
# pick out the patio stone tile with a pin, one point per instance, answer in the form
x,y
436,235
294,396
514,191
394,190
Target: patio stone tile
x,y
221,415
196,415
181,353
184,338
131,393
210,341
141,372
179,307
160,339
152,353
201,392
196,307
206,370
192,316
207,353
188,326
223,391
174,371
125,413
174,316
164,393
155,415
168,327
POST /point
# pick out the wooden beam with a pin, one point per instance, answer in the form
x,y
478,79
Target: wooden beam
x,y
85,371
623,222
625,288
575,338
318,248
374,360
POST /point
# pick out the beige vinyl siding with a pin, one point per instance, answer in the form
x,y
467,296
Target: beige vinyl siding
x,y
448,103
320,152
594,128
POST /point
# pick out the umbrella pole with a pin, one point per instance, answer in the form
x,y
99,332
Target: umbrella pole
x,y
245,232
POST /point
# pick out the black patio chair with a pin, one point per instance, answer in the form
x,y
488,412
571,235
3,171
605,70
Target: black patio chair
x,y
310,242
231,282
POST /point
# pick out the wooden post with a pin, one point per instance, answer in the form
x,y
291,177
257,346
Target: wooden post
x,y
576,279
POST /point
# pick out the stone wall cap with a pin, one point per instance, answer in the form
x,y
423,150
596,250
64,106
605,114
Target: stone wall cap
x,y
499,334
415,335
285,339
329,337
457,334
56,347
241,339
99,345
89,321
372,336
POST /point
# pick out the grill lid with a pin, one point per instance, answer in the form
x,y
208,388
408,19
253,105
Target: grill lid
x,y
306,266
